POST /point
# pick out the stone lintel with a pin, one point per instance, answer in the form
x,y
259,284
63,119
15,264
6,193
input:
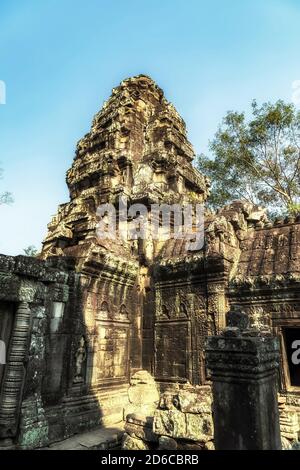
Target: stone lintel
x,y
242,357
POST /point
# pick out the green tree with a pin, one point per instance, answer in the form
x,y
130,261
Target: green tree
x,y
257,159
5,197
30,251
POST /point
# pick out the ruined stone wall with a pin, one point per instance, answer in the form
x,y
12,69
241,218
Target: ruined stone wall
x,y
181,323
31,291
72,343
95,311
248,263
137,147
180,418
266,287
87,335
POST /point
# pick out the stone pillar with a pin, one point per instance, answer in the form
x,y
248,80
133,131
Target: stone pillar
x,y
14,375
243,364
216,305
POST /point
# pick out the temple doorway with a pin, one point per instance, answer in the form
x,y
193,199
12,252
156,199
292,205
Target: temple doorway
x,y
6,325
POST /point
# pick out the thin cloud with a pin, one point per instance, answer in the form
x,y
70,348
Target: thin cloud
x,y
296,92
2,92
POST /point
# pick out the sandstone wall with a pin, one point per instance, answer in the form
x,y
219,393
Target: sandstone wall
x,y
83,321
179,418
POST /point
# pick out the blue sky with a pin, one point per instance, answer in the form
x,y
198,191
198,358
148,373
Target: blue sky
x,y
60,59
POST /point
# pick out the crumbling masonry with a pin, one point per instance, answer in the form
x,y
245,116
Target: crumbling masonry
x,y
80,321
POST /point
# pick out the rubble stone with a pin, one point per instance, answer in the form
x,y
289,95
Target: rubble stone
x,y
140,427
133,443
143,389
167,443
198,400
180,425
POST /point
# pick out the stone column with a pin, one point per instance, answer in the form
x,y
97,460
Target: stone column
x,y
216,305
15,372
243,364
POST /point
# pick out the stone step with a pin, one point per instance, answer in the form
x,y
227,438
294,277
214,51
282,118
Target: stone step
x,y
100,438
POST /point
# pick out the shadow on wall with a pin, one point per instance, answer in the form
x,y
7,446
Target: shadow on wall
x,y
68,396
100,438
68,354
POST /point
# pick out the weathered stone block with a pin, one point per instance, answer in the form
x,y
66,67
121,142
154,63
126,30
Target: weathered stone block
x,y
33,424
191,446
145,410
141,426
167,443
199,427
143,389
196,400
209,445
142,432
132,443
187,426
168,401
170,423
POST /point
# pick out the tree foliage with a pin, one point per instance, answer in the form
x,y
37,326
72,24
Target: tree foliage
x,y
5,197
257,159
31,250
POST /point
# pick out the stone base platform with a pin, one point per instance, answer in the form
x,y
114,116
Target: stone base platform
x,y
100,438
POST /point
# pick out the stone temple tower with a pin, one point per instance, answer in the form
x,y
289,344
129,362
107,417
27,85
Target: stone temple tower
x,y
83,319
137,147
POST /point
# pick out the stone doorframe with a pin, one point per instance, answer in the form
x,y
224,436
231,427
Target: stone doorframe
x,y
21,293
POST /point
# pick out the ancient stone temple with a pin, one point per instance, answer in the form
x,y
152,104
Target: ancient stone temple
x,y
90,313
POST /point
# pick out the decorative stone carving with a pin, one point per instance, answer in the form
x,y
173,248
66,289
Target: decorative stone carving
x,y
183,310
123,311
80,361
165,312
243,366
104,310
14,374
138,303
137,145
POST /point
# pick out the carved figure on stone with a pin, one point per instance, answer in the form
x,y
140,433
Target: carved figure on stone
x,y
211,325
149,248
104,310
135,247
165,311
123,311
81,355
183,310
217,234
